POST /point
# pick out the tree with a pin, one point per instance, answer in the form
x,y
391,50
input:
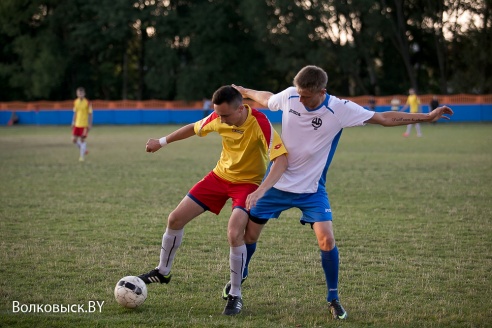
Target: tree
x,y
185,49
36,47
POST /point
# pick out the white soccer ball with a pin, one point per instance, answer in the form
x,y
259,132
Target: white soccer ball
x,y
130,292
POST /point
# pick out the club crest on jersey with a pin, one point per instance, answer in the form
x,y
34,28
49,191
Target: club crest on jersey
x,y
316,123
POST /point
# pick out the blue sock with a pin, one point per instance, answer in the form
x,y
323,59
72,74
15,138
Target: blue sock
x,y
250,250
329,262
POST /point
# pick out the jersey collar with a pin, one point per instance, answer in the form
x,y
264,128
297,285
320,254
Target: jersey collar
x,y
323,104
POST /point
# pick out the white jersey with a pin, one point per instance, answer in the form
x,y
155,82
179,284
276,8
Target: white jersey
x,y
311,137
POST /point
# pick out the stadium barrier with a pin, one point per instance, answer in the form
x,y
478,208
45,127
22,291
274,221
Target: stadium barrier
x,y
467,108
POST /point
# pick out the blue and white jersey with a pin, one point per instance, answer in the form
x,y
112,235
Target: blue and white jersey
x,y
311,137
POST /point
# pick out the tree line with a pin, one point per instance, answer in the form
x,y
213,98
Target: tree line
x,y
185,49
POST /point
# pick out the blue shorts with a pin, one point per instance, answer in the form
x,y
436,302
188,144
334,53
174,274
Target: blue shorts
x,y
315,207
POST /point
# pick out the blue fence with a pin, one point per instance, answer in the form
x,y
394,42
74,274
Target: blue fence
x,y
462,113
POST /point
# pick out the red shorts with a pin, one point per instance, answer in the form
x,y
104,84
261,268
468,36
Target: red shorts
x,y
212,193
80,132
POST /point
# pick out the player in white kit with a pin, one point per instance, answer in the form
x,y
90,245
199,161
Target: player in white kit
x,y
312,123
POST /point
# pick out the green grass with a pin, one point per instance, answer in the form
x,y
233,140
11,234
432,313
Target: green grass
x,y
412,218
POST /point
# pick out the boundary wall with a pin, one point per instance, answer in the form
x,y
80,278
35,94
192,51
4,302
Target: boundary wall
x,y
467,108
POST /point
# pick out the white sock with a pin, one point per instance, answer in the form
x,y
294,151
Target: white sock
x,y
417,127
171,240
237,259
78,143
409,128
83,147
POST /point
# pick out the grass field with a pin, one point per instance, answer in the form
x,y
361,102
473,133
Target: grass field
x,y
412,218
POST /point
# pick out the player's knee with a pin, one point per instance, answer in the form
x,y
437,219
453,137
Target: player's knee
x,y
250,238
326,242
235,236
174,222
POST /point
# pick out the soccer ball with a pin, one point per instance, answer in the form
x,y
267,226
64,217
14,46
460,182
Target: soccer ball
x,y
130,292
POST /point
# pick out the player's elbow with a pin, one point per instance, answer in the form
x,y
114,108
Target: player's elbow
x,y
388,119
387,123
381,119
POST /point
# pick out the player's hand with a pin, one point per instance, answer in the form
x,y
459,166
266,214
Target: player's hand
x,y
439,112
253,198
152,146
240,89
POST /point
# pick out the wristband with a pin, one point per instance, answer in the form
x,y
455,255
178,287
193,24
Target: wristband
x,y
163,141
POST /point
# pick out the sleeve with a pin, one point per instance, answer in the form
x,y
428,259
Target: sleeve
x,y
89,105
350,114
277,147
277,101
266,133
206,125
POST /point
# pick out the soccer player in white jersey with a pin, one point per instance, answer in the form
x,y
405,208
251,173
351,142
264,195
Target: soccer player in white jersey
x,y
312,123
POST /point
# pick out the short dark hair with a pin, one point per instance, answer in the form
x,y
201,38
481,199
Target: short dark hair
x,y
228,95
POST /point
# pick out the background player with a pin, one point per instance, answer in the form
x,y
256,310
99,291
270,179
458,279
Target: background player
x,y
81,122
249,142
414,103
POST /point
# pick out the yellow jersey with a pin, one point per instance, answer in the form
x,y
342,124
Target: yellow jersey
x,y
82,108
414,102
246,149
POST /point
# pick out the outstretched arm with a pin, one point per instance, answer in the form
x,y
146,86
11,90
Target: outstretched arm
x,y
399,118
278,168
260,97
184,132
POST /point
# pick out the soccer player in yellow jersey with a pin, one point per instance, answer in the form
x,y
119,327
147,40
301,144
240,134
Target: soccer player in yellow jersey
x,y
249,143
81,122
414,103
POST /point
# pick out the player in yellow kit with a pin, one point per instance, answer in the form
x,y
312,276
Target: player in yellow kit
x,y
414,103
81,122
249,143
